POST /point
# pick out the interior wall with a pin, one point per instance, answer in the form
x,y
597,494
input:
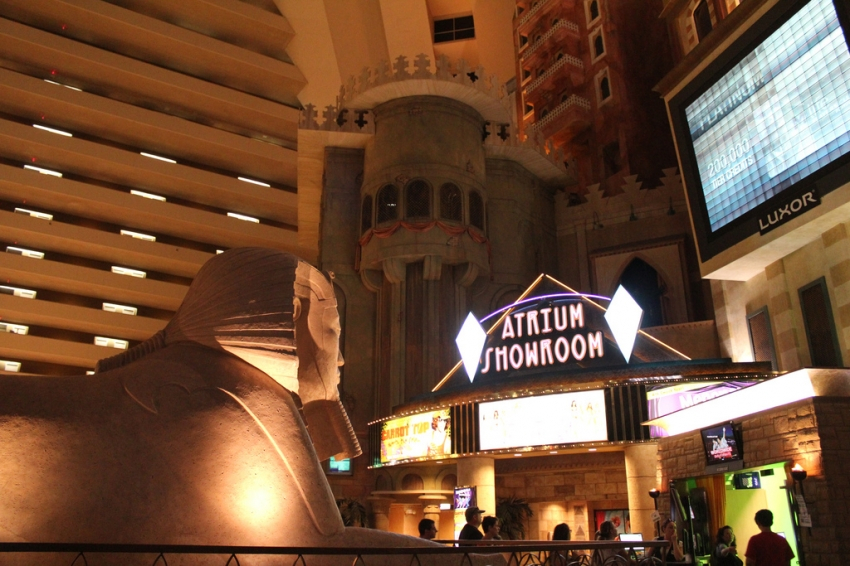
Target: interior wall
x,y
742,504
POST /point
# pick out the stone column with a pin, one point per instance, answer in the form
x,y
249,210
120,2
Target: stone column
x,y
381,512
479,472
432,507
641,476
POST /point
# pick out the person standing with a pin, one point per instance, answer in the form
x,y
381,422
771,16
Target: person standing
x,y
767,548
473,521
427,529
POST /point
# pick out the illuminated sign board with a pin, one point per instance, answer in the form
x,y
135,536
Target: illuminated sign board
x,y
545,420
760,129
425,435
539,337
663,400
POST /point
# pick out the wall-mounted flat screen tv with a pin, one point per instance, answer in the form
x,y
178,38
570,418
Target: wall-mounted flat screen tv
x,y
721,444
464,498
764,131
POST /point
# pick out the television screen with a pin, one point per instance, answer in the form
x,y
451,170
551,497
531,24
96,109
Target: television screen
x,y
464,498
544,420
764,122
342,467
720,444
747,480
420,436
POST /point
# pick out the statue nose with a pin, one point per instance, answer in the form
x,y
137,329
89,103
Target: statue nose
x,y
340,361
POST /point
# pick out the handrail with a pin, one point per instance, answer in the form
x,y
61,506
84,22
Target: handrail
x,y
522,553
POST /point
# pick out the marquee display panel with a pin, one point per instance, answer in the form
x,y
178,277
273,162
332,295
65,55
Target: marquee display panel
x,y
425,435
757,133
546,420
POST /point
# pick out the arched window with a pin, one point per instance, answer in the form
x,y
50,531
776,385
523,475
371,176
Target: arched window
x,y
476,210
646,287
451,203
702,20
449,482
559,56
604,88
366,214
544,112
387,203
412,482
594,10
598,46
417,200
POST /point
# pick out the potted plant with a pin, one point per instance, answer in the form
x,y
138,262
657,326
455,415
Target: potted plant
x,y
353,512
513,514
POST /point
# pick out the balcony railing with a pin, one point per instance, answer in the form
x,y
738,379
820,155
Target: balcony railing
x,y
530,14
560,24
507,553
574,61
574,101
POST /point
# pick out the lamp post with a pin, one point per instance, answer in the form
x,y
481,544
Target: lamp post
x,y
655,494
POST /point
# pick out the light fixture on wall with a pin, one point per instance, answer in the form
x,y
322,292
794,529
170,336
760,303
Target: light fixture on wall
x,y
799,475
655,494
597,225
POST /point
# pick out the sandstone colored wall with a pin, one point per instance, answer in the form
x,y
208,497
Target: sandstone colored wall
x,y
565,489
814,433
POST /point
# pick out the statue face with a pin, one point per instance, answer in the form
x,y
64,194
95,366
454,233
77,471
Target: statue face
x,y
317,332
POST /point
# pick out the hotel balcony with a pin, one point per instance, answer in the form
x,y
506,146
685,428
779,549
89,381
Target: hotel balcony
x,y
565,120
138,138
556,35
565,66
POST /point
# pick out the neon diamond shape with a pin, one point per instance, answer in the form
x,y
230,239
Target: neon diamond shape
x,y
623,317
469,342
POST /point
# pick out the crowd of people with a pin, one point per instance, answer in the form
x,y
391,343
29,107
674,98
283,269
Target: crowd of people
x,y
764,549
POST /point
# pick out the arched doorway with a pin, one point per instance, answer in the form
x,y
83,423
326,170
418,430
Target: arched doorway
x,y
647,287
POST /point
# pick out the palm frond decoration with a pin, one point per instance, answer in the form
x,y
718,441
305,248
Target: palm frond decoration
x,y
513,514
353,512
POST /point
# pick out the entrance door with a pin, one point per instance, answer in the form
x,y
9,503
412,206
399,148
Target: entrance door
x,y
743,504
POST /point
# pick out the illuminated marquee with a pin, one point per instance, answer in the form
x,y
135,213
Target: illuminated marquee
x,y
563,418
532,346
547,330
420,436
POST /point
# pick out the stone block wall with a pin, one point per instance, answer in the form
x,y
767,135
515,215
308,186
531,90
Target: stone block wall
x,y
814,433
565,489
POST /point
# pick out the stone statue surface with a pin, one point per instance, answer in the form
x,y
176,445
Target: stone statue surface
x,y
193,437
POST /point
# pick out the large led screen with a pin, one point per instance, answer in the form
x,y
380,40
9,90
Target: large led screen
x,y
545,420
777,116
426,435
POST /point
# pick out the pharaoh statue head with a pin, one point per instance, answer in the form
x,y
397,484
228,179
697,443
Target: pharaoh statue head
x,y
288,328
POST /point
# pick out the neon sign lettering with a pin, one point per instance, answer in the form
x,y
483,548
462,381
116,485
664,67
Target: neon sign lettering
x,y
544,351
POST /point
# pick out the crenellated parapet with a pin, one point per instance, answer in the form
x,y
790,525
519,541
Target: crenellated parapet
x,y
360,95
638,200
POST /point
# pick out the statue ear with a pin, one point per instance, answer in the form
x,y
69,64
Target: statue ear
x,y
296,312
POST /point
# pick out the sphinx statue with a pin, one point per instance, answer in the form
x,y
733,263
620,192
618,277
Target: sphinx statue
x,y
194,436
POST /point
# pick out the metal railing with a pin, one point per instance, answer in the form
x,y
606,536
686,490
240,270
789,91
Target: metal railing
x,y
468,553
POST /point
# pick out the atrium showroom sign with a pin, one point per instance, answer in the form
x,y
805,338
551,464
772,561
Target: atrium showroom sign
x,y
543,331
